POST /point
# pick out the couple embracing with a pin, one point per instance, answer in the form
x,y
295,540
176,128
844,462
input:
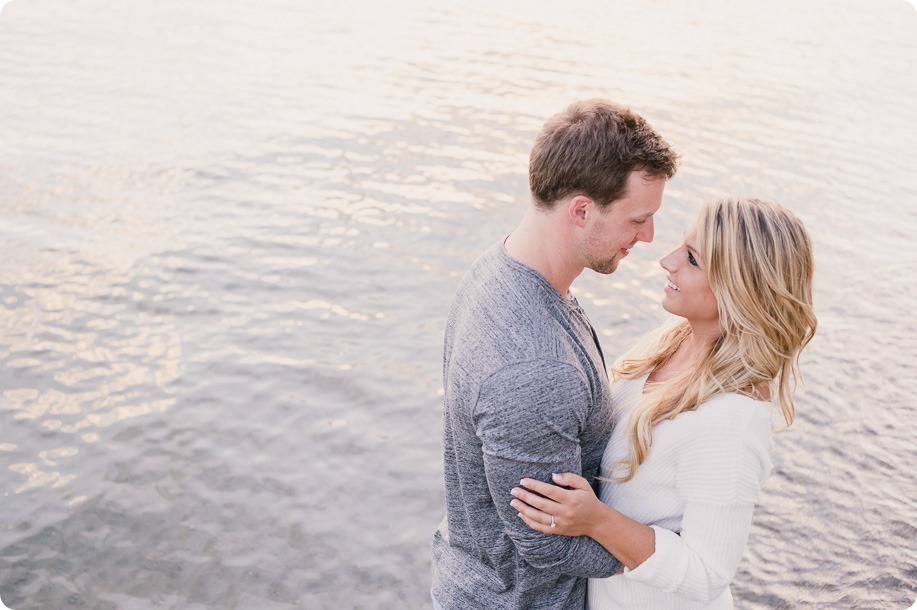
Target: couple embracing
x,y
575,482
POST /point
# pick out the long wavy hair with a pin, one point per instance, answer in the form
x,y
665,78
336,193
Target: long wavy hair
x,y
758,257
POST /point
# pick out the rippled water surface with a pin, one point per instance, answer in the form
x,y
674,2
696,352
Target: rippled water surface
x,y
230,232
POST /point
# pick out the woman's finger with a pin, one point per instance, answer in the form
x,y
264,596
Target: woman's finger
x,y
540,521
545,504
568,479
546,489
533,514
536,525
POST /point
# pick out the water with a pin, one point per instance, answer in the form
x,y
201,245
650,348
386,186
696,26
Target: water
x,y
231,232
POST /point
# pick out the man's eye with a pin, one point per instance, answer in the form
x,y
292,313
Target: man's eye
x,y
691,259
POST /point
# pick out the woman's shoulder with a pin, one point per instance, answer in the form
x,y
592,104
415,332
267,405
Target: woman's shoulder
x,y
734,403
724,455
734,416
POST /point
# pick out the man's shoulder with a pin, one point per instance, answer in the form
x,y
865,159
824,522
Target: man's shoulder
x,y
501,332
505,315
495,277
536,377
504,294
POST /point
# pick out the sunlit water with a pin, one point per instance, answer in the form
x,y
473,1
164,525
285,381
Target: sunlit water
x,y
230,233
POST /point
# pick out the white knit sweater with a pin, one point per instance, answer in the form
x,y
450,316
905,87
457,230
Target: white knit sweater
x,y
697,490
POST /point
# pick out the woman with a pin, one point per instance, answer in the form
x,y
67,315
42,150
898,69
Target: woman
x,y
693,404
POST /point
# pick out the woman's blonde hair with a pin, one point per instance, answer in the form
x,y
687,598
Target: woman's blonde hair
x,y
758,258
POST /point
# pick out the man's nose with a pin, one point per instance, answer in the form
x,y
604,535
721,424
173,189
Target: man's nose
x,y
646,231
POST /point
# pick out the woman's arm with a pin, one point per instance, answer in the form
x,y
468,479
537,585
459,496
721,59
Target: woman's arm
x,y
718,476
578,512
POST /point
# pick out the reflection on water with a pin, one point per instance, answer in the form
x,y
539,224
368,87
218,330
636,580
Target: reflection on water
x,y
230,237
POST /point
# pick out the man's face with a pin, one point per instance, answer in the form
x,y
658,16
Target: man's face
x,y
611,232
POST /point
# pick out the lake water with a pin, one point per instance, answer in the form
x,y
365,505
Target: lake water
x,y
230,233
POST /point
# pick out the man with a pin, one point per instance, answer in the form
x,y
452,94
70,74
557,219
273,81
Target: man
x,y
526,388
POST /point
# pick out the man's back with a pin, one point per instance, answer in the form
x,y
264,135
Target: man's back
x,y
526,394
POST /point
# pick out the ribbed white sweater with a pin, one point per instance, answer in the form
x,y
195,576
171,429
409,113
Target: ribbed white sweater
x,y
697,490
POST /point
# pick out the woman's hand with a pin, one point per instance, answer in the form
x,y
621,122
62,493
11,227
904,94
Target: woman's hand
x,y
575,511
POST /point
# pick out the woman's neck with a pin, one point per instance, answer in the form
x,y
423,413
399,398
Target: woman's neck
x,y
687,356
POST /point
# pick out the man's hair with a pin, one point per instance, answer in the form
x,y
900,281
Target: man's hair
x,y
591,148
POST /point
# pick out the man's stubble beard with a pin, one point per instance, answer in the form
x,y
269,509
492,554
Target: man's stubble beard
x,y
606,267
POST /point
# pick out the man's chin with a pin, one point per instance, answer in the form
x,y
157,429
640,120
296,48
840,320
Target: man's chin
x,y
606,268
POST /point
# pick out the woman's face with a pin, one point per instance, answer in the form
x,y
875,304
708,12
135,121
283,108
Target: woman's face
x,y
687,292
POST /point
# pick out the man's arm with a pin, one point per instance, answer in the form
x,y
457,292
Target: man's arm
x,y
529,417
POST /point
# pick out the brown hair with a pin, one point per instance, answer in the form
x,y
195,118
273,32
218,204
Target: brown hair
x,y
591,148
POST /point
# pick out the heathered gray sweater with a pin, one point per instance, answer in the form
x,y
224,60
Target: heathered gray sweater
x,y
526,395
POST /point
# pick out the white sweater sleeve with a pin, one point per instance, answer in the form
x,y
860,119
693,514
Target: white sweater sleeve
x,y
719,473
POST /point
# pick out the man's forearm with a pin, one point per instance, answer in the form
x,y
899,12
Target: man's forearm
x,y
575,556
579,556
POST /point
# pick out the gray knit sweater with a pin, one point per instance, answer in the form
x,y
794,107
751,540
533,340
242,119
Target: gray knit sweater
x,y
526,395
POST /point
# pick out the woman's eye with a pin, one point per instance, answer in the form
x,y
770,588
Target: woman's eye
x,y
691,259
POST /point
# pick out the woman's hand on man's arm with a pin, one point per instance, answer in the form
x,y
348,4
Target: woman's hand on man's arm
x,y
576,511
573,508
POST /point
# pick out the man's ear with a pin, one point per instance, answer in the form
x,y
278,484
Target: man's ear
x,y
579,207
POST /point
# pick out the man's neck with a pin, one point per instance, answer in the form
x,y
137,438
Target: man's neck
x,y
542,243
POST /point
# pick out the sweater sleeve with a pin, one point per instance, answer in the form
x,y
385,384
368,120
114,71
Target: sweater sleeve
x,y
529,418
719,475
